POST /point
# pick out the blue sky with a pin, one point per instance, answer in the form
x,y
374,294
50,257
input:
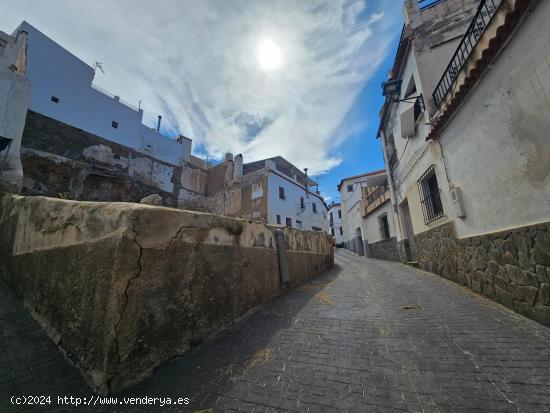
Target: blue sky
x,y
257,77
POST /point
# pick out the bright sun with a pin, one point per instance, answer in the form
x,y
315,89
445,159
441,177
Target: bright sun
x,y
269,55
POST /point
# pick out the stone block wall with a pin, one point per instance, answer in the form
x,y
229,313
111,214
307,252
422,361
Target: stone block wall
x,y
511,267
385,250
124,287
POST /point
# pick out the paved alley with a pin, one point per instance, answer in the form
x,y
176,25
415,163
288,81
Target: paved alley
x,y
368,336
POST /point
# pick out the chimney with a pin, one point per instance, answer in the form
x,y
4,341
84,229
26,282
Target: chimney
x,y
158,124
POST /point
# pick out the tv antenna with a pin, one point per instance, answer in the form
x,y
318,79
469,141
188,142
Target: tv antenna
x,y
98,65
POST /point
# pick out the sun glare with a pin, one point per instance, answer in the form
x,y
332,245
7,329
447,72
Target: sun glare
x,y
269,55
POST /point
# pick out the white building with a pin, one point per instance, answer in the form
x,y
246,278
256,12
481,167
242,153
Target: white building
x,y
63,89
468,170
334,222
367,217
281,194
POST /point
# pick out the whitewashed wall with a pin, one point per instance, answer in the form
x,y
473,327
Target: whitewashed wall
x,y
54,71
336,223
290,207
371,223
497,147
415,156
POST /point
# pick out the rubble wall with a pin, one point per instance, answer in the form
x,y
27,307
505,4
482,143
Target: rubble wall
x,y
511,267
123,287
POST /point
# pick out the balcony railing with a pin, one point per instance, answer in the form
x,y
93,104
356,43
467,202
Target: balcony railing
x,y
483,16
376,198
115,98
377,193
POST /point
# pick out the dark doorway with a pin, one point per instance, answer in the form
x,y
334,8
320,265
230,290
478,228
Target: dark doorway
x,y
410,247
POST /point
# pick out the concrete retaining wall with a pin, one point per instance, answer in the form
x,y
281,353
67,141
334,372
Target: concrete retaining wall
x,y
123,287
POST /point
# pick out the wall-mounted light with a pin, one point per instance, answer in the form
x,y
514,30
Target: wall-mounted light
x,y
391,89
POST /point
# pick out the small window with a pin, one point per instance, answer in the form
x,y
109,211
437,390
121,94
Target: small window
x,y
298,224
302,204
384,226
281,193
289,222
429,196
316,229
332,231
341,231
314,207
54,99
350,188
340,213
114,124
279,219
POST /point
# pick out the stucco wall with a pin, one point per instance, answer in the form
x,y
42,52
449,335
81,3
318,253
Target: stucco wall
x,y
336,224
54,71
14,100
497,147
123,287
290,206
372,226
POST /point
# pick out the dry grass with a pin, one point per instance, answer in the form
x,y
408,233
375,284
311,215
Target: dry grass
x,y
259,359
324,298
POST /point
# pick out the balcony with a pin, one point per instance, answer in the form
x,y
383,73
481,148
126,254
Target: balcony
x,y
374,197
484,16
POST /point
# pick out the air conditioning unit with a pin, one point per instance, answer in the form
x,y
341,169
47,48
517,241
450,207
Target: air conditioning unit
x,y
456,202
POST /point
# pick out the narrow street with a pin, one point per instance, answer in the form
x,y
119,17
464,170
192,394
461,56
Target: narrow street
x,y
368,336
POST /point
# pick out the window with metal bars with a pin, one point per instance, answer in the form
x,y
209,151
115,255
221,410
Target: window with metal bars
x,y
429,196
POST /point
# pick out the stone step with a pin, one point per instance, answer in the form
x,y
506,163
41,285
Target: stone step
x,y
413,263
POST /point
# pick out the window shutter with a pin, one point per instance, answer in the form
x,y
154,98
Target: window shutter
x,y
408,128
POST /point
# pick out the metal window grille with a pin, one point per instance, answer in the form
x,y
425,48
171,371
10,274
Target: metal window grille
x,y
429,196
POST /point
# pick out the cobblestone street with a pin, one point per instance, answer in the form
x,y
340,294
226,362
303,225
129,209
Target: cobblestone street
x,y
368,336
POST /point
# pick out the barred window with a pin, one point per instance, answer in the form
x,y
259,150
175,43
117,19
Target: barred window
x,y
429,196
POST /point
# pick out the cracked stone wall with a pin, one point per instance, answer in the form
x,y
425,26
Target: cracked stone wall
x,y
124,287
511,267
61,159
384,250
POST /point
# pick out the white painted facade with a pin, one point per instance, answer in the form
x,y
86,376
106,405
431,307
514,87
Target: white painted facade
x,y
352,204
313,214
497,146
334,223
57,74
372,223
424,61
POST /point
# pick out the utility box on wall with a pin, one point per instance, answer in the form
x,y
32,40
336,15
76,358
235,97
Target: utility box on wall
x,y
457,203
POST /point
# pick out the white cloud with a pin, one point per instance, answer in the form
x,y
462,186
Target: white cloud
x,y
195,62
